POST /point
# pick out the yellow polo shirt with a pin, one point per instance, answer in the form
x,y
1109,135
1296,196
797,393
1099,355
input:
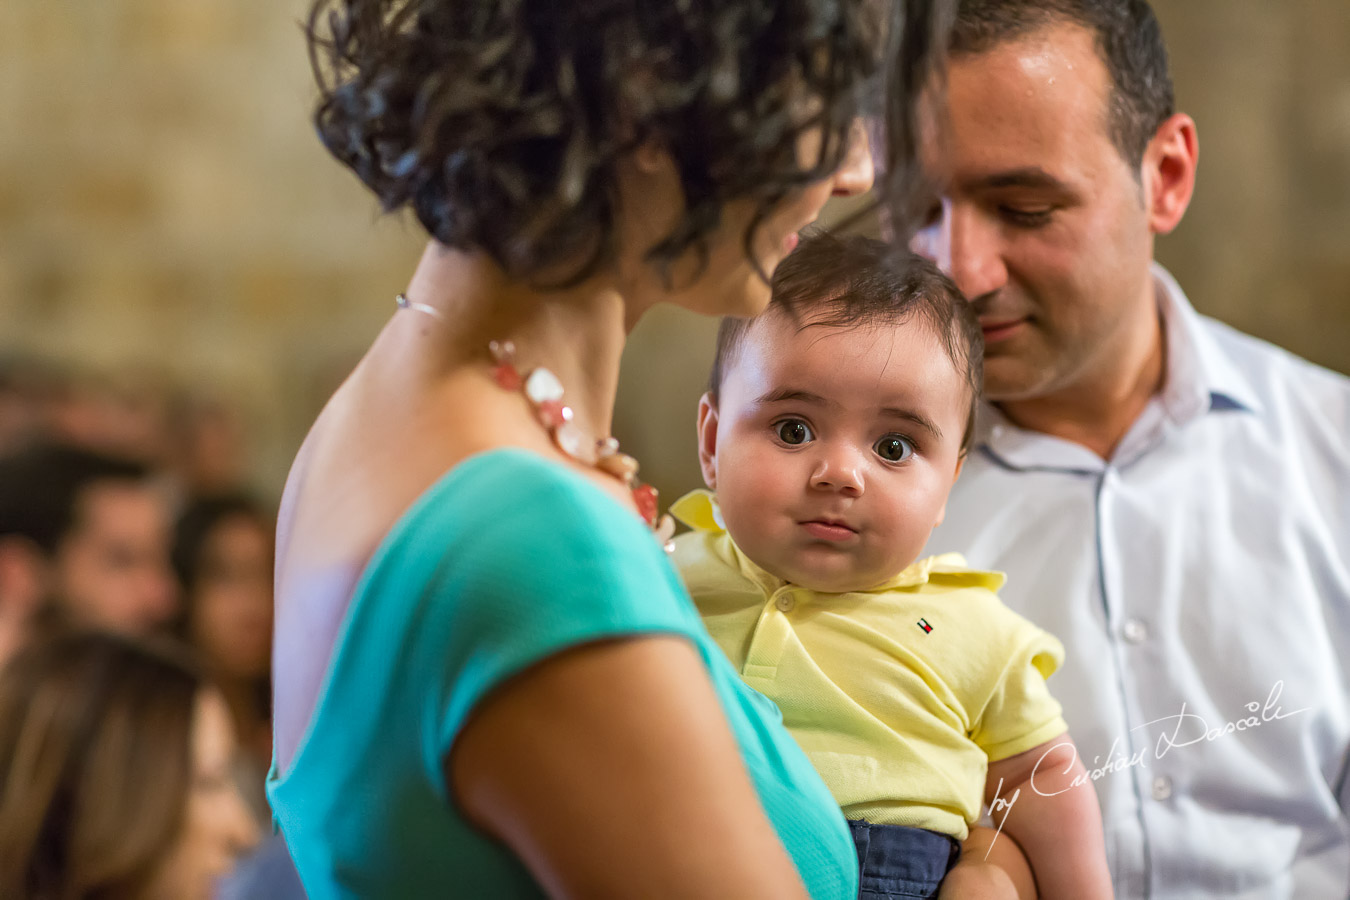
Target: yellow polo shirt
x,y
900,695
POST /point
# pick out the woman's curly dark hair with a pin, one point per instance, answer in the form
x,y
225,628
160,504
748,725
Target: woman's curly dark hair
x,y
499,122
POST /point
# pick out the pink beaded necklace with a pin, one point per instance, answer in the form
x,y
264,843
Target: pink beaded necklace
x,y
545,394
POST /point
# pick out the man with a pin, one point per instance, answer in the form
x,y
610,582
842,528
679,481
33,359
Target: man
x,y
1168,496
88,532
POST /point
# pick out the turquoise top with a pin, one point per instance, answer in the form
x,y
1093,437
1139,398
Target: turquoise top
x,y
507,560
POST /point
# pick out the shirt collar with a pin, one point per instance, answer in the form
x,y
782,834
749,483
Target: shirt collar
x,y
1201,378
699,510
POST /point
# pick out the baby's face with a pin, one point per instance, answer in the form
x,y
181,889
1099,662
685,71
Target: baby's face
x,y
832,450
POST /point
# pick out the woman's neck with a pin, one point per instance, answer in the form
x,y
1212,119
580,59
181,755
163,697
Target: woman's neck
x,y
577,333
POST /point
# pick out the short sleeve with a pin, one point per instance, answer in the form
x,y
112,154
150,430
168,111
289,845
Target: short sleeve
x,y
520,560
1019,712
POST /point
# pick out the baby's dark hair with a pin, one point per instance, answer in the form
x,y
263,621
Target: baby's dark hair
x,y
853,281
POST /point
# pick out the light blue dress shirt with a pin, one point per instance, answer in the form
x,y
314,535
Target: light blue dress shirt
x,y
1200,582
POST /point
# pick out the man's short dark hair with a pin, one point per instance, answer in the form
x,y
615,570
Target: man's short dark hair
x,y
41,487
858,281
1129,42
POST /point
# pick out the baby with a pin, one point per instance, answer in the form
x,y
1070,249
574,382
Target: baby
x,y
835,426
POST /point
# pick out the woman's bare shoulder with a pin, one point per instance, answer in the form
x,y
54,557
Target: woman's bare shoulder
x,y
371,453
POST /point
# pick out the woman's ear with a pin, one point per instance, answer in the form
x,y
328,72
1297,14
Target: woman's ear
x,y
707,439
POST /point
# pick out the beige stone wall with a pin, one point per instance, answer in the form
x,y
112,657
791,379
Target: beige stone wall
x,y
1266,243
163,203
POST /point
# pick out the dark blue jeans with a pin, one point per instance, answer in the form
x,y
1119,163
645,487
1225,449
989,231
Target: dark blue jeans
x,y
898,862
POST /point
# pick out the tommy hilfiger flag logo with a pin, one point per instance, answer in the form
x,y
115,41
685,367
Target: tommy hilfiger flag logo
x,y
923,623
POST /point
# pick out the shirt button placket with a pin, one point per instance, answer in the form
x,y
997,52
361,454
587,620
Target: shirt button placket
x,y
1129,631
772,635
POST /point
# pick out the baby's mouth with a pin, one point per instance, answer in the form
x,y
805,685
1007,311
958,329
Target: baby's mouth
x,y
829,529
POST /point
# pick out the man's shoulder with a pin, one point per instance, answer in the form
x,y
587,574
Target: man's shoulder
x,y
1273,371
1303,409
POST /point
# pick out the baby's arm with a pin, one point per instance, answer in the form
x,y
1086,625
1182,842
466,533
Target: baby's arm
x,y
1057,824
991,867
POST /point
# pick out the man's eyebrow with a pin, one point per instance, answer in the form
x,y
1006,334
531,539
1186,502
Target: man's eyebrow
x,y
917,418
1027,177
780,395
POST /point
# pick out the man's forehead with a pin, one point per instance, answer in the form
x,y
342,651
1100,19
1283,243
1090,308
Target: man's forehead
x,y
1046,90
1055,55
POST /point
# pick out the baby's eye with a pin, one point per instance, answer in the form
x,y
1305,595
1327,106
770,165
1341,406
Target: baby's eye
x,y
794,431
894,448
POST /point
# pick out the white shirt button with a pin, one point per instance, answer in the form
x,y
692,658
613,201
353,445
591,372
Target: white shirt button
x,y
1134,631
1162,787
786,602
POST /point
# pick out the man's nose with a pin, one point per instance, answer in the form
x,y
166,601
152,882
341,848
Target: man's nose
x,y
970,251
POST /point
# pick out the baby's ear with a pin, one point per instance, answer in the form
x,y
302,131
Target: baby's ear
x,y
942,513
707,439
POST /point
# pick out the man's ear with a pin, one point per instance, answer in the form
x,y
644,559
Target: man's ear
x,y
24,578
707,439
1168,174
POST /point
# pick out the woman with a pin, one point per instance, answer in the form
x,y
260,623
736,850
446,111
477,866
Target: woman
x,y
489,681
222,554
115,763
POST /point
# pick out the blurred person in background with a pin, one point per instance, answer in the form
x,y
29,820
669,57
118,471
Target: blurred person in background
x,y
114,775
195,435
123,412
209,436
26,384
223,557
84,537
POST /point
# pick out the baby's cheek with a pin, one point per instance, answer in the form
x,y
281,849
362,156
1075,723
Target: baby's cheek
x,y
754,477
753,513
904,537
